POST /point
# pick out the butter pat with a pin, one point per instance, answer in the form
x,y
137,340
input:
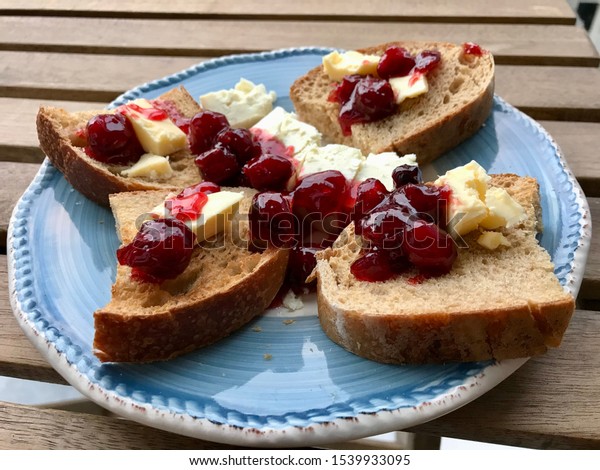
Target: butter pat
x,y
215,214
154,167
504,211
290,131
467,206
159,137
492,240
473,204
337,65
244,105
381,166
346,160
409,86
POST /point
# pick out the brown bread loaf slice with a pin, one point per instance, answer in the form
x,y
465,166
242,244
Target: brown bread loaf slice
x,y
57,134
223,288
500,304
458,102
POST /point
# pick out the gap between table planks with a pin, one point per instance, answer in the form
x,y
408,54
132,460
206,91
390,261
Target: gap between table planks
x,y
510,44
489,11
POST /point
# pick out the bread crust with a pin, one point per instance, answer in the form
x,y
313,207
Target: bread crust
x,y
459,334
439,337
89,177
189,326
448,129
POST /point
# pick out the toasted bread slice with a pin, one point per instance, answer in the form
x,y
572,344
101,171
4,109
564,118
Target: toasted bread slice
x,y
58,136
458,102
223,288
497,304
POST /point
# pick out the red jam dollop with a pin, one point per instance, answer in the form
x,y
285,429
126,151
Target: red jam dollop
x,y
473,49
238,157
176,116
405,229
161,250
153,114
306,220
112,140
370,99
188,204
366,98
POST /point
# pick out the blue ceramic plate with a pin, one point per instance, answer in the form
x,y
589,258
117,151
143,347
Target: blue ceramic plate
x,y
276,382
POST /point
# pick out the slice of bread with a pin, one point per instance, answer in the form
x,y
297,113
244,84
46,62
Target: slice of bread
x,y
497,304
57,133
458,102
223,288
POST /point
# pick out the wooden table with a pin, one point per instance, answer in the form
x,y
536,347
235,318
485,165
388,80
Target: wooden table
x,y
83,54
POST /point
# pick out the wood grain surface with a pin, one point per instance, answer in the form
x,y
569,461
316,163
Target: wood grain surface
x,y
18,357
513,11
550,402
27,427
510,44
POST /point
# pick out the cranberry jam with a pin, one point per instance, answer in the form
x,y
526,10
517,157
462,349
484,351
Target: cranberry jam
x,y
188,204
307,219
404,230
473,49
112,140
366,98
161,250
238,157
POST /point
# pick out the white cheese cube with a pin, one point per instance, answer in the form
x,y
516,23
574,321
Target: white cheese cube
x,y
290,131
345,159
338,65
154,167
244,105
492,240
215,214
159,137
504,211
409,86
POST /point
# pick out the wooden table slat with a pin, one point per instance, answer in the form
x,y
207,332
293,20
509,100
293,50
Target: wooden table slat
x,y
18,357
489,11
510,44
18,136
27,427
579,142
545,94
52,76
547,403
56,76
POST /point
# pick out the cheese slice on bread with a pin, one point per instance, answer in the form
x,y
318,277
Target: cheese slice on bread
x,y
498,304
